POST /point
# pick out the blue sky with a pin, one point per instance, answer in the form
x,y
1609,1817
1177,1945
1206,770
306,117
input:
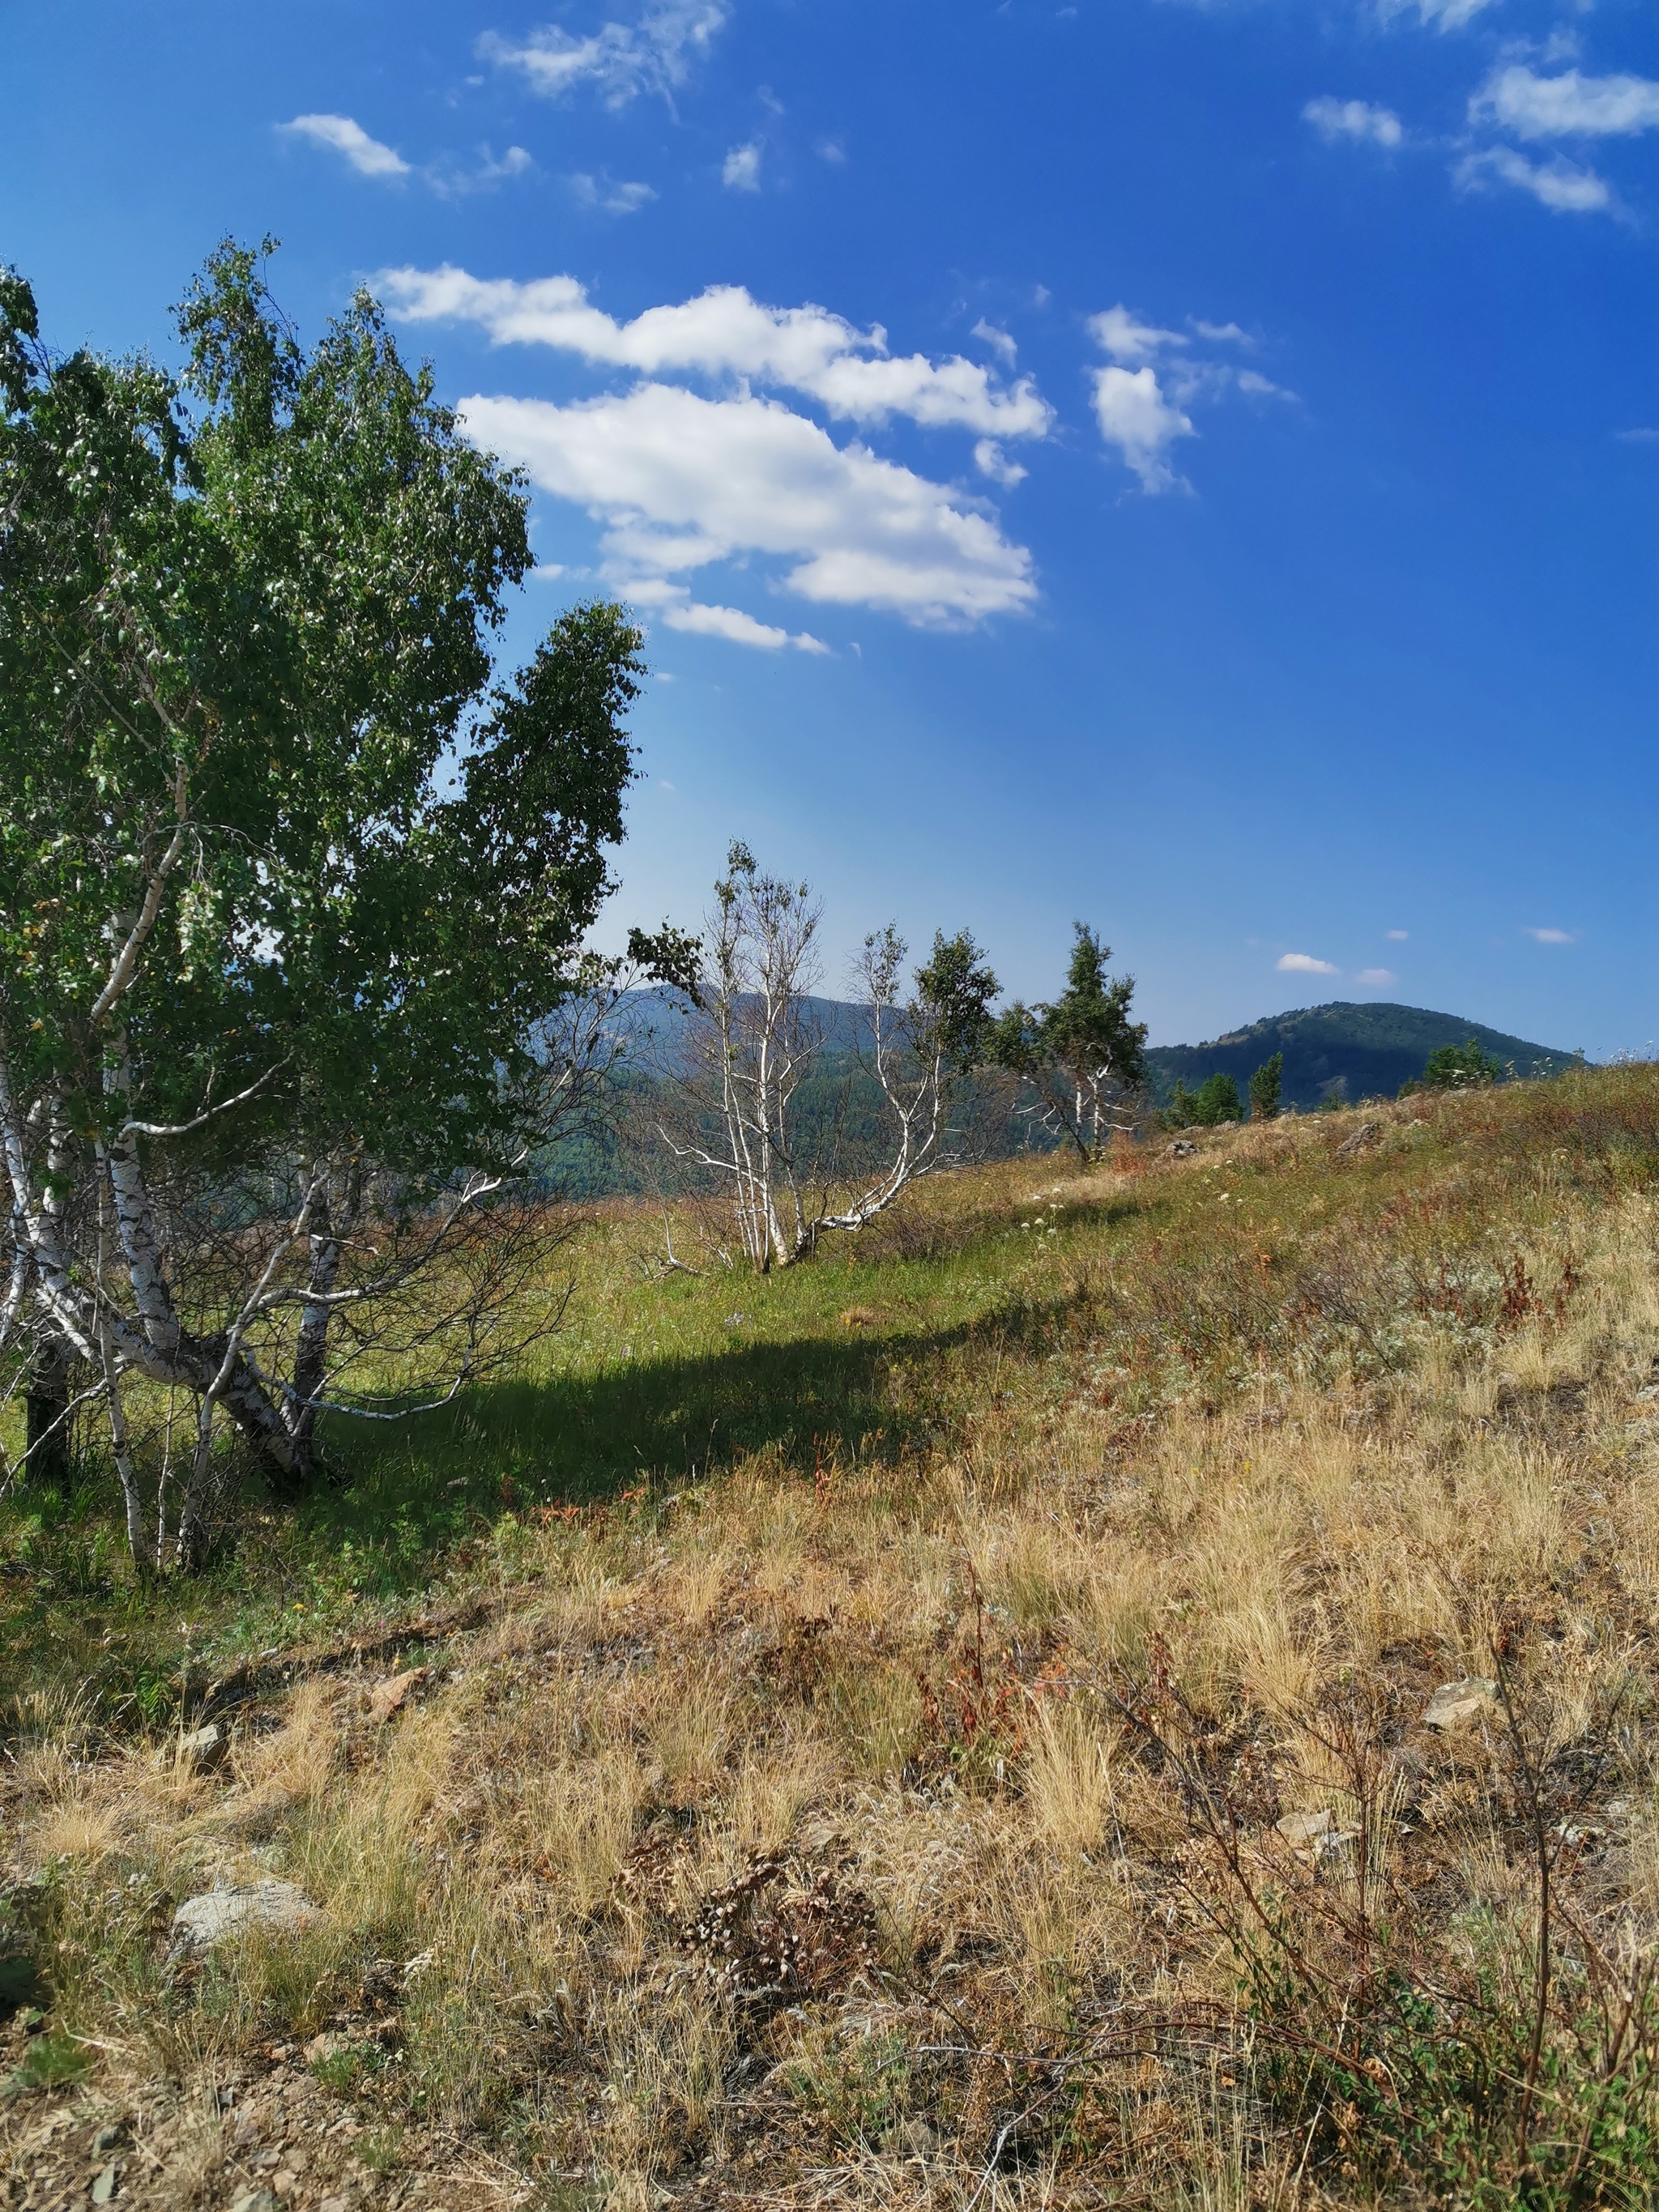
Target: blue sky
x,y
1191,468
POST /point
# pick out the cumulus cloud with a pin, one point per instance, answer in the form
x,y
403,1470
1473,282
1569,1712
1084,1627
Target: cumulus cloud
x,y
1559,185
740,170
1135,417
680,481
1356,120
1550,936
1375,979
1569,106
1304,963
366,154
620,60
724,332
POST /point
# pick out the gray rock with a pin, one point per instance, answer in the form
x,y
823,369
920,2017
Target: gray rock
x,y
257,2200
202,1922
1301,1831
204,1746
1366,1133
104,2188
1455,1704
1182,1150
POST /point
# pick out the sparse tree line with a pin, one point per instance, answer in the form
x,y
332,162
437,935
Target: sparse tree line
x,y
295,892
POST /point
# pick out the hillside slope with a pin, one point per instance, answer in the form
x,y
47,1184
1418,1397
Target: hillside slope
x,y
1087,1697
1346,1048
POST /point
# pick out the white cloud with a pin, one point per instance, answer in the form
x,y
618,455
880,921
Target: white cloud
x,y
1445,15
998,340
726,332
614,199
1304,963
1375,979
1560,186
678,610
1356,119
1128,339
991,461
1641,436
1397,936
1136,417
366,154
740,170
450,181
1258,387
1569,106
1550,936
832,150
680,482
622,60
1141,399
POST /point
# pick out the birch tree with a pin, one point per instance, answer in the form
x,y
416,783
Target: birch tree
x,y
292,900
759,1035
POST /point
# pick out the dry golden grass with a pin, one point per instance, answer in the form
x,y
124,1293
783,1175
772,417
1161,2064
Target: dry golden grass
x,y
998,1731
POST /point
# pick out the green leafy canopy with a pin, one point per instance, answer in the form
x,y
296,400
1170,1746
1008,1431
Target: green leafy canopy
x,y
246,618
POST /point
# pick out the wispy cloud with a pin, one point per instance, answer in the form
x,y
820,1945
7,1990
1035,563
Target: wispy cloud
x,y
366,154
1142,397
740,170
1304,963
991,461
613,199
1558,185
1567,106
677,609
1356,120
1444,15
1377,979
1000,341
1552,936
1397,936
620,60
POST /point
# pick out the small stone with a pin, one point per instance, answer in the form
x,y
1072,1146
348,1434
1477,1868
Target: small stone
x,y
1455,1704
202,1922
256,2200
284,2183
204,1746
335,2204
1366,1133
386,1697
1301,1831
104,2188
106,2139
1182,1148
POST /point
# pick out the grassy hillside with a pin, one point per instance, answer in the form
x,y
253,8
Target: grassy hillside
x,y
1345,1049
947,1725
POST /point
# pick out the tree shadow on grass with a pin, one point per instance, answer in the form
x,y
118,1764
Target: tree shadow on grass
x,y
582,1439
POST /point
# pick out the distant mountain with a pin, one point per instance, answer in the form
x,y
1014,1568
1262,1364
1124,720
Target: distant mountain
x,y
1345,1049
